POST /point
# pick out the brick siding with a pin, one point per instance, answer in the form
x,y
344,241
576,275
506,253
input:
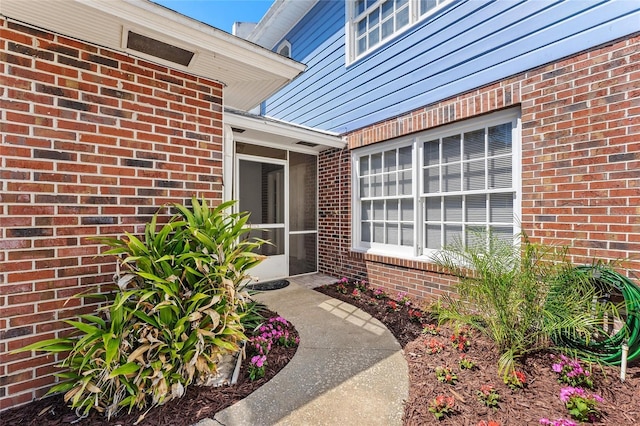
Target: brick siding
x,y
580,166
93,143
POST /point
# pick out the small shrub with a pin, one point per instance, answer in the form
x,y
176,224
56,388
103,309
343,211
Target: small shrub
x,y
178,307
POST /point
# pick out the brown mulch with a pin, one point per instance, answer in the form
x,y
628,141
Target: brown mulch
x,y
540,398
199,402
521,407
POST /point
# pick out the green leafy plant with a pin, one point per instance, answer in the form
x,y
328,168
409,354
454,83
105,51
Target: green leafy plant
x,y
571,372
441,406
489,396
465,363
581,405
446,375
515,379
177,309
524,296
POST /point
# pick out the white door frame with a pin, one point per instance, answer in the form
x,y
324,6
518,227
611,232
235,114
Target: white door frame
x,y
273,267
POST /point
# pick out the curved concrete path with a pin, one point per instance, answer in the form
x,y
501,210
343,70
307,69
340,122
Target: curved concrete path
x,y
348,370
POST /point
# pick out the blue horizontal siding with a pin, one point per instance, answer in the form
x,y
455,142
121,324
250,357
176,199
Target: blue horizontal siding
x,y
467,45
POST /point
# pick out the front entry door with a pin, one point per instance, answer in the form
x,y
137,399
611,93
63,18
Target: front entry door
x,y
262,192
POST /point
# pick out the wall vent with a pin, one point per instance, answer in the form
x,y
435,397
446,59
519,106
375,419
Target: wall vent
x,y
159,49
309,144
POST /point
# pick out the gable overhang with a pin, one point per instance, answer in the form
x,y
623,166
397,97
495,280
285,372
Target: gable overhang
x,y
271,132
281,17
250,73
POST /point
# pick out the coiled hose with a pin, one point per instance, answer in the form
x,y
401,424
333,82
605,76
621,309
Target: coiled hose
x,y
609,350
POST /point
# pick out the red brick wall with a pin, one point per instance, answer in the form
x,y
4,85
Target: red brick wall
x,y
93,142
580,165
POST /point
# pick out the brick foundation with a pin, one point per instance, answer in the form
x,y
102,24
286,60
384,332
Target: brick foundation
x,y
93,143
580,166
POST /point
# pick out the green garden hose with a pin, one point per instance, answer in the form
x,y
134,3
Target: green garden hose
x,y
609,350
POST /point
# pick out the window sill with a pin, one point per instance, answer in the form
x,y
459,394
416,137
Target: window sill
x,y
420,263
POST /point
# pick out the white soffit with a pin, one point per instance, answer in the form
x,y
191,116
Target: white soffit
x,y
281,17
250,73
267,131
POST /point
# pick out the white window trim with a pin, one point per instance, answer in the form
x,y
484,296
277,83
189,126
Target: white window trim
x,y
350,24
417,252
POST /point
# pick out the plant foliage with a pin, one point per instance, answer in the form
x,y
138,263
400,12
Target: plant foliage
x,y
523,295
178,308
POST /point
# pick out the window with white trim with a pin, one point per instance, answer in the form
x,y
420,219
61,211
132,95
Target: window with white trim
x,y
416,195
371,22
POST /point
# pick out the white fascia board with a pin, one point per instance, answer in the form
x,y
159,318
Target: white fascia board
x,y
281,128
281,17
191,31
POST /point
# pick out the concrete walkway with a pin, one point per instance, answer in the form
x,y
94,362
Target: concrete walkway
x,y
348,370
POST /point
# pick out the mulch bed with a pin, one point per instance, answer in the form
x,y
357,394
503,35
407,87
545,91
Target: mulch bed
x,y
199,402
520,407
540,398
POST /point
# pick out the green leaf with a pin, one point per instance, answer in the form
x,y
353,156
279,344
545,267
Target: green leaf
x,y
125,370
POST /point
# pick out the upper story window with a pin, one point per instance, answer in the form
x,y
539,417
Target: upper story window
x,y
371,22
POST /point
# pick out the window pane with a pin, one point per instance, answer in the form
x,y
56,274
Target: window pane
x,y
390,184
433,209
376,163
374,18
405,158
374,37
431,180
476,208
402,18
427,5
504,233
392,234
452,234
362,45
433,237
365,231
501,207
390,160
361,28
378,232
378,210
366,210
376,186
405,183
406,210
392,210
431,153
474,144
500,172
475,236
451,149
364,187
364,165
360,6
387,9
474,175
500,139
451,180
453,209
387,28
407,235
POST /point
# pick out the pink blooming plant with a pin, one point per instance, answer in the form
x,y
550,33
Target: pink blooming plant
x,y
582,406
